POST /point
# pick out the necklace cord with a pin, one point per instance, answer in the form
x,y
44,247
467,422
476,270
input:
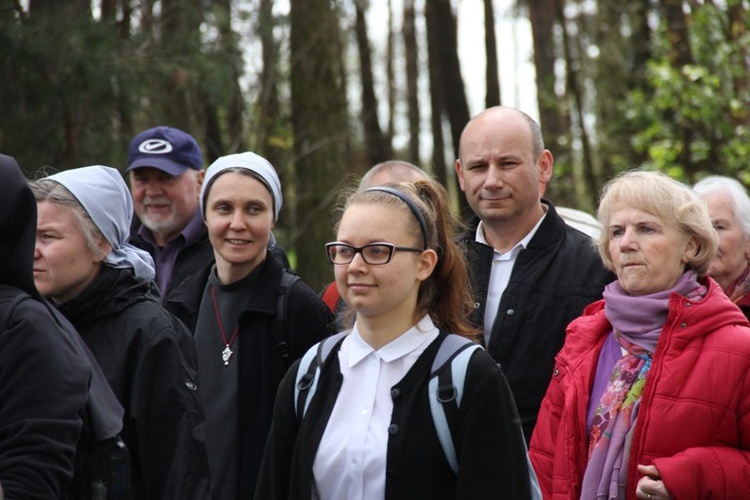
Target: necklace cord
x,y
218,320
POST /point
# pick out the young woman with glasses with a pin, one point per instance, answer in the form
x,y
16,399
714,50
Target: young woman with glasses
x,y
368,430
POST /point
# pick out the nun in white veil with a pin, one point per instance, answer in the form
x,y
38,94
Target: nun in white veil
x,y
105,287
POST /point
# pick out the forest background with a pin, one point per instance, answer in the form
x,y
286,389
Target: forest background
x,y
662,84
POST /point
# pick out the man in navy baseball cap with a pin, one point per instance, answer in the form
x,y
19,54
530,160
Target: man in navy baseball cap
x,y
165,167
165,148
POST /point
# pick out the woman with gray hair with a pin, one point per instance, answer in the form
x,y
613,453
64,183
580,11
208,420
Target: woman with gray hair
x,y
649,396
729,208
105,287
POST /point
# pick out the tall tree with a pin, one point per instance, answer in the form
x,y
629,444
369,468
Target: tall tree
x,y
641,41
442,23
492,79
376,145
179,29
391,79
442,41
737,36
680,55
319,120
439,165
269,133
584,182
231,55
552,107
412,78
622,37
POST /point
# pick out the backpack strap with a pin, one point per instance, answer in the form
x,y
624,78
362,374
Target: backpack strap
x,y
308,372
446,387
280,327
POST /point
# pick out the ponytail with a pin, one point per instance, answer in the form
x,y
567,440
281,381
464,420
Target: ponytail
x,y
446,294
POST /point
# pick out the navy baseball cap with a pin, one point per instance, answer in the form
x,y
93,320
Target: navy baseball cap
x,y
168,149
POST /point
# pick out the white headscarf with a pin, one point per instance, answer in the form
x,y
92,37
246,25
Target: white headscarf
x,y
102,192
249,161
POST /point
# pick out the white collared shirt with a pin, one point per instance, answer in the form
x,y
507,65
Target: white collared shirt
x,y
502,267
351,458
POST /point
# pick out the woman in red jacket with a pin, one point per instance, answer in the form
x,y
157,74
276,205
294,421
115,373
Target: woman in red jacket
x,y
650,395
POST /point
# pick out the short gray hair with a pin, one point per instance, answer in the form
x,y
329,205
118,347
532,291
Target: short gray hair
x,y
737,195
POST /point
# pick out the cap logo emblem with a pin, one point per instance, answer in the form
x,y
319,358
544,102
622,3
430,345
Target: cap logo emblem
x,y
155,147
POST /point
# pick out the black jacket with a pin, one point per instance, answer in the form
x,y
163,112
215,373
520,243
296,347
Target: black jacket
x,y
146,356
490,450
190,259
43,392
552,281
261,366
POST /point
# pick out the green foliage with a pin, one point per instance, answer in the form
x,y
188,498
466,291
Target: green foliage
x,y
698,106
79,90
62,80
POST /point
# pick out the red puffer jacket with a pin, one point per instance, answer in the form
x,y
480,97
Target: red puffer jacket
x,y
694,419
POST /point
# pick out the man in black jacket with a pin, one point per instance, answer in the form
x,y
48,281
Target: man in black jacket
x,y
531,273
166,172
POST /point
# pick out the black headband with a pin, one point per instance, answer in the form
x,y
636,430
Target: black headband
x,y
415,210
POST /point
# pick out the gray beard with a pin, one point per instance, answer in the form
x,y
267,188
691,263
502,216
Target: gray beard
x,y
163,226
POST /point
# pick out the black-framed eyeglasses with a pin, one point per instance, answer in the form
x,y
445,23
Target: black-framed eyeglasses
x,y
375,254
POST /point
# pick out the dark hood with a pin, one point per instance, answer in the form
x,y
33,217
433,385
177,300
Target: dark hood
x,y
17,227
111,292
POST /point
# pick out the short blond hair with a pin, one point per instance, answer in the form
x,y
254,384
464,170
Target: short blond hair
x,y
671,201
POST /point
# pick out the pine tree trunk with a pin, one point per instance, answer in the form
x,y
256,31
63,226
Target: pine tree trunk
x,y
552,111
375,143
680,55
412,78
319,121
492,80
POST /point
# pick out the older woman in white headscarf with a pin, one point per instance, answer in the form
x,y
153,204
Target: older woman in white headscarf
x,y
249,321
729,207
105,287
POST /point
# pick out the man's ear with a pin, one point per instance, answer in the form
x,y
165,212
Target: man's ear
x,y
459,172
199,176
546,165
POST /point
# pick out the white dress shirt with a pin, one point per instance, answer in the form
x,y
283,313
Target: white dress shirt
x,y
350,461
502,267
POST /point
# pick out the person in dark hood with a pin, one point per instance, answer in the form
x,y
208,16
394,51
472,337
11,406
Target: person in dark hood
x,y
54,397
105,287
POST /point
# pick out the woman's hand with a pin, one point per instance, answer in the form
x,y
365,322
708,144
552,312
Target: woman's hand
x,y
650,486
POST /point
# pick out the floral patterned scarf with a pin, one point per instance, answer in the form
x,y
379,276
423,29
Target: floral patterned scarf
x,y
739,293
637,323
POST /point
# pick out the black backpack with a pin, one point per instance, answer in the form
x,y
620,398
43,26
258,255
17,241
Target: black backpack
x,y
280,326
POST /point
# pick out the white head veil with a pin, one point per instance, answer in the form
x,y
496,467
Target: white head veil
x,y
102,192
263,170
